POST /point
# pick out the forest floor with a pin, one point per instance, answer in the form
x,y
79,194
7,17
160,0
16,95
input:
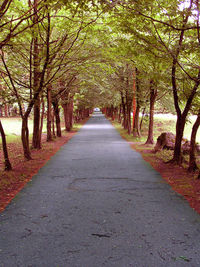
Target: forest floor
x,y
181,181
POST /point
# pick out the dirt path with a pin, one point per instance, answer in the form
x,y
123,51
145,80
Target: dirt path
x,y
98,203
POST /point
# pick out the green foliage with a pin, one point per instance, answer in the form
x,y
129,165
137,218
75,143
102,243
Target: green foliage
x,y
95,46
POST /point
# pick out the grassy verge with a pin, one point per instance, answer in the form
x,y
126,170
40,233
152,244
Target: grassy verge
x,y
164,124
12,128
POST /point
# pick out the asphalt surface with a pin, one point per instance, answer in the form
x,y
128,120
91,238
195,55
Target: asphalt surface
x,y
97,203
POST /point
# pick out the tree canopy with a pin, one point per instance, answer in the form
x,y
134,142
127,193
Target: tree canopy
x,y
125,56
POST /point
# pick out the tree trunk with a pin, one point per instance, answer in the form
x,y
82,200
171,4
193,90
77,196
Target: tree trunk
x,y
153,95
68,113
136,128
71,109
129,119
66,116
180,125
36,125
49,114
119,114
136,125
82,114
192,162
87,112
57,116
53,125
5,110
36,82
129,102
42,119
25,138
116,112
141,121
181,117
134,96
36,73
7,164
124,121
112,113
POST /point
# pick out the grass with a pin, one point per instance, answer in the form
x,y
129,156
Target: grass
x,y
165,124
188,130
12,139
169,125
12,128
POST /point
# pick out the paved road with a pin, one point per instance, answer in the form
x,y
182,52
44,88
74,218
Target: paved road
x,y
97,203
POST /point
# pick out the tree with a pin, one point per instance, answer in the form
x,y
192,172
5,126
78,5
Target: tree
x,y
192,155
10,28
13,23
192,162
7,163
48,51
33,96
153,95
173,32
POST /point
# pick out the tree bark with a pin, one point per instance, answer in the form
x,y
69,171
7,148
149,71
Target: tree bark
x,y
68,112
136,128
153,95
5,110
136,125
71,109
57,117
36,75
49,114
134,96
181,119
143,115
36,93
192,162
66,116
42,119
181,116
25,138
129,119
112,113
124,120
36,125
180,125
53,125
7,164
119,114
